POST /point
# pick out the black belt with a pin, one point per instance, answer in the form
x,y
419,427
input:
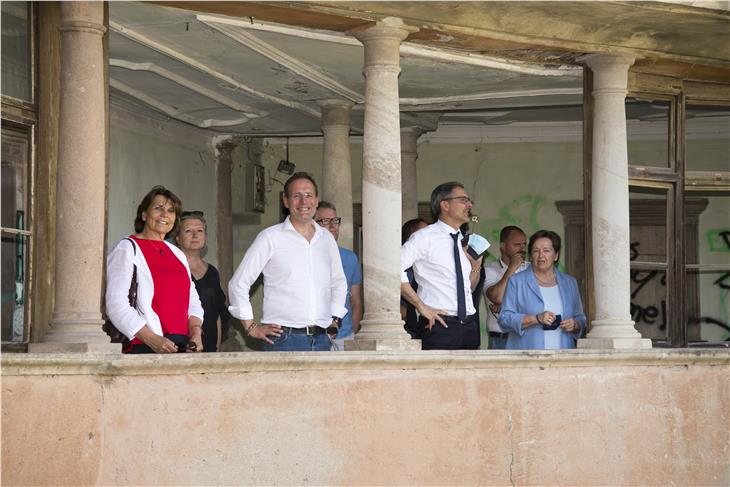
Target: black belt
x,y
496,334
455,319
307,330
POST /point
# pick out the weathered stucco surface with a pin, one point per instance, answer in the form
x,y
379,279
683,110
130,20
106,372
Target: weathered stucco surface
x,y
354,418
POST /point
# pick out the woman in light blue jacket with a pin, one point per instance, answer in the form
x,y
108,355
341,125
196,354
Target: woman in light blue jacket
x,y
541,308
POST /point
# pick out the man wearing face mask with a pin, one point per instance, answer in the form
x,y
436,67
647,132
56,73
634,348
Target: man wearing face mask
x,y
512,248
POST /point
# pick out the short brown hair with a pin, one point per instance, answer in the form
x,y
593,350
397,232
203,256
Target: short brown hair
x,y
147,201
296,176
326,205
550,235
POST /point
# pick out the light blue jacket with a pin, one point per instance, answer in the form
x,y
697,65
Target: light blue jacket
x,y
522,297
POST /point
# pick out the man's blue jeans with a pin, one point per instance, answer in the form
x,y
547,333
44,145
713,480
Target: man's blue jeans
x,y
299,342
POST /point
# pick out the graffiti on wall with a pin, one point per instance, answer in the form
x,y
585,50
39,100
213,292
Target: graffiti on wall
x,y
718,240
521,211
648,304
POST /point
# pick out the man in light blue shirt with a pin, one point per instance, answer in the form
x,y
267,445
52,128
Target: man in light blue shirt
x,y
327,217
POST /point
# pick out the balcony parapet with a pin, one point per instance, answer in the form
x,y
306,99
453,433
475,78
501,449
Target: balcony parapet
x,y
128,365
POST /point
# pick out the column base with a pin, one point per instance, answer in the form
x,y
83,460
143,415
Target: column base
x,y
615,343
377,335
383,344
78,347
75,336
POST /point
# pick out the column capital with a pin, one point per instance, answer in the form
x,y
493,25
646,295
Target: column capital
x,y
610,73
387,28
411,130
225,147
335,113
382,44
83,17
409,139
605,60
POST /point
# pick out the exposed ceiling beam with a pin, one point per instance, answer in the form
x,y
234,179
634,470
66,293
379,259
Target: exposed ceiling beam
x,y
489,96
178,56
280,57
173,112
406,49
188,84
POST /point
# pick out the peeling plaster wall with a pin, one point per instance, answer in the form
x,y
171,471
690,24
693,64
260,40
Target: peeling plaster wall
x,y
145,152
369,418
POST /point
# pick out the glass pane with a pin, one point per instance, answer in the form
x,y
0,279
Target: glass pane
x,y
14,258
648,241
707,243
707,139
649,302
14,170
708,306
16,55
647,132
707,228
648,224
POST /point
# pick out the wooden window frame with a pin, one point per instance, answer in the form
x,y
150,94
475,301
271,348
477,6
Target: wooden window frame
x,y
680,181
22,116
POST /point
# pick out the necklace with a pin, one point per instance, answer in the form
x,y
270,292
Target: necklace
x,y
158,246
547,282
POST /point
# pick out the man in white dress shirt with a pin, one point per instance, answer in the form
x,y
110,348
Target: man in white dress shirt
x,y
513,249
304,285
445,274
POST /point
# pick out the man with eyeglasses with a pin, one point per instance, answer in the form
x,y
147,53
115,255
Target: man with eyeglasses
x,y
445,273
327,218
304,285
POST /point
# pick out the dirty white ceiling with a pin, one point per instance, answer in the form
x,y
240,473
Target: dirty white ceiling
x,y
237,76
244,76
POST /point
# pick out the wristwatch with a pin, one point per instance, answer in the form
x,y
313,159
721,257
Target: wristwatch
x,y
333,330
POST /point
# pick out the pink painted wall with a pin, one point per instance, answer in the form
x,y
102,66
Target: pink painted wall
x,y
420,418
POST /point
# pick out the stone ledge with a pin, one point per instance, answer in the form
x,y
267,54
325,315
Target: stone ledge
x,y
128,365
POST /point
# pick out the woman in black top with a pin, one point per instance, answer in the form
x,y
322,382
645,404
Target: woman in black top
x,y
192,239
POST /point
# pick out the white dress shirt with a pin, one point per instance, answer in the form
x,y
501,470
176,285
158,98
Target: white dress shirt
x,y
304,284
493,273
430,251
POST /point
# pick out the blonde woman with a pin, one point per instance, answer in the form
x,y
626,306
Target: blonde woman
x,y
192,239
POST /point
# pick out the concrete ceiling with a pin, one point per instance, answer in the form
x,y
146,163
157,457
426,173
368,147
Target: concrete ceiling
x,y
243,74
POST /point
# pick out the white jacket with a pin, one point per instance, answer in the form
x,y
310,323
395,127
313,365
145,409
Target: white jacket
x,y
119,267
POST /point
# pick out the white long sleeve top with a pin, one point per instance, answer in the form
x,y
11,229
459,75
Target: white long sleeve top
x,y
304,283
119,267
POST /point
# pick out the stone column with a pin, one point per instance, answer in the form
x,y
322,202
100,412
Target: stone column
x,y
75,325
409,179
224,234
613,327
382,327
337,170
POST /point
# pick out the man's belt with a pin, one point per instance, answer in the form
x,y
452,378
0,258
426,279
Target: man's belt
x,y
455,319
496,334
307,330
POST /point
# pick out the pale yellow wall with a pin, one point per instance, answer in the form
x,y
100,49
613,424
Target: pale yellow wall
x,y
368,418
143,154
514,183
510,183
